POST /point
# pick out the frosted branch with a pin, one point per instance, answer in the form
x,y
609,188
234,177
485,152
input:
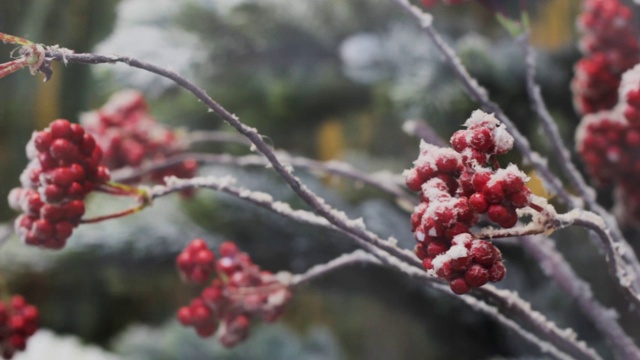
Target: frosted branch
x,y
335,217
544,346
194,137
386,183
565,339
605,320
378,247
480,94
615,239
356,257
386,251
422,130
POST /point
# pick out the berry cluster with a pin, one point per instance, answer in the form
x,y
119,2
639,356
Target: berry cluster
x,y
18,321
609,143
239,290
457,186
64,167
610,46
129,135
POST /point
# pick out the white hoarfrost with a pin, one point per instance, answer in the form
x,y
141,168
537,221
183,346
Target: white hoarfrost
x,y
456,251
501,137
509,172
630,81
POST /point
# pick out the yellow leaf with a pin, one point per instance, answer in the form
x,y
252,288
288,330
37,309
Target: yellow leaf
x,y
537,185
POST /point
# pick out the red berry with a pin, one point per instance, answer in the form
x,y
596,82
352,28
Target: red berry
x,y
228,248
459,286
60,129
483,253
502,215
478,203
497,272
476,276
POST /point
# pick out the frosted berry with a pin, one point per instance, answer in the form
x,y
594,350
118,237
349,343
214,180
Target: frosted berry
x,y
130,135
55,183
18,321
457,187
239,291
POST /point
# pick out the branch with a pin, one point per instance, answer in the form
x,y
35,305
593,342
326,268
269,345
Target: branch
x,y
335,217
509,302
402,258
361,257
615,240
384,182
395,257
194,137
606,320
564,339
623,261
422,130
480,94
341,261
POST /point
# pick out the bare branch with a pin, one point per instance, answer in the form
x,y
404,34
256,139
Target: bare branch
x,y
318,204
356,257
480,94
385,182
606,320
508,302
615,241
422,130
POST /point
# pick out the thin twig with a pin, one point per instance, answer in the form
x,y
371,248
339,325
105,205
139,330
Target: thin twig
x,y
556,267
422,130
356,257
480,94
194,137
318,204
616,241
509,302
566,340
361,257
396,257
626,264
384,182
264,200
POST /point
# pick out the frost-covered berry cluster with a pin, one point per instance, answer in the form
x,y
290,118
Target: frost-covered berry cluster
x,y
456,187
610,47
609,143
18,321
239,291
129,136
64,167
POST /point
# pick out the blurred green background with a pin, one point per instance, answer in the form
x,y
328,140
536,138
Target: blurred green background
x,y
328,79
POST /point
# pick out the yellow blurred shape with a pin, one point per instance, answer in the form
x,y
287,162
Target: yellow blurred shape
x,y
48,99
536,185
554,25
330,140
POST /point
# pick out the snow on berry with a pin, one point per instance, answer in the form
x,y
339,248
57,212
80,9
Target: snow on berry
x,y
456,187
129,136
239,291
485,136
64,167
